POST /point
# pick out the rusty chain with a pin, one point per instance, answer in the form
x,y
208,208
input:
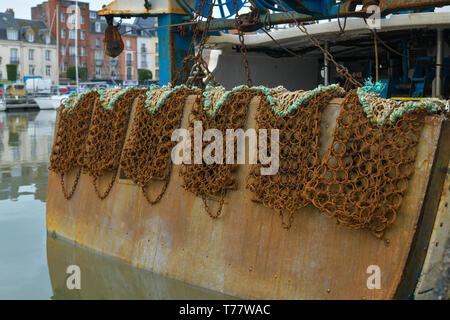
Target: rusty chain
x,y
241,40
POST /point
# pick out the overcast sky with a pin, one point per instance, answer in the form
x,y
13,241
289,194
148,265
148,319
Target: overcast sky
x,y
22,8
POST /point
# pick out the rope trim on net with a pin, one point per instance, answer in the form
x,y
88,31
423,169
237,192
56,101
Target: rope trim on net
x,y
217,109
297,117
156,117
357,148
280,99
68,151
107,133
378,109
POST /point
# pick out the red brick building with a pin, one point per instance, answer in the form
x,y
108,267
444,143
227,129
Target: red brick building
x,y
103,67
128,58
47,12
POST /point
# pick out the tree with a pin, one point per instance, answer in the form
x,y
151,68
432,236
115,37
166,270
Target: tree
x,y
144,74
11,70
82,73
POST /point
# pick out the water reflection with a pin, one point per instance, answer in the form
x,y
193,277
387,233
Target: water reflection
x,y
33,266
106,278
25,143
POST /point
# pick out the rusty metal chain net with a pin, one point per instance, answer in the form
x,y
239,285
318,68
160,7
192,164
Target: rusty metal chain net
x,y
362,179
73,126
146,153
298,153
106,137
211,181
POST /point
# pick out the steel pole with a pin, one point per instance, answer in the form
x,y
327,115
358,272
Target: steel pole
x,y
326,65
77,16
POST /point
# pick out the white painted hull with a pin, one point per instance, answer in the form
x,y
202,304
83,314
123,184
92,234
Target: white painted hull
x,y
49,103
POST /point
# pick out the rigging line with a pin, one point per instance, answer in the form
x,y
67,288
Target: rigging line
x,y
387,46
158,27
375,34
292,53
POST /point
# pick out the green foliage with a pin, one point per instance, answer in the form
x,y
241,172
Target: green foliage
x,y
11,70
82,73
144,74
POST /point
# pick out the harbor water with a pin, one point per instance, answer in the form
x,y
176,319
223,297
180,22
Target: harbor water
x,y
34,265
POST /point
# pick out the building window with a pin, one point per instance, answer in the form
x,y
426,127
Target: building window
x,y
71,50
71,19
63,17
144,61
63,50
82,19
72,33
156,61
128,44
31,70
47,70
30,54
129,73
83,51
93,15
129,59
13,54
47,55
63,33
97,42
98,27
12,34
98,71
156,47
64,67
30,37
47,39
82,35
157,74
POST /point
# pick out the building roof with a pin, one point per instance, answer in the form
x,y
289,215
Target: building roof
x,y
39,28
7,21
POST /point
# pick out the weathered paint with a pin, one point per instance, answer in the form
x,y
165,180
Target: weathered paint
x,y
137,8
246,253
173,47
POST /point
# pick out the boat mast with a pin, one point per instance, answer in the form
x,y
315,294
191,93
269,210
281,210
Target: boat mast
x,y
57,48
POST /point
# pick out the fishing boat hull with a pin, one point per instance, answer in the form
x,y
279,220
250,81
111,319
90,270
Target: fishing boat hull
x,y
246,253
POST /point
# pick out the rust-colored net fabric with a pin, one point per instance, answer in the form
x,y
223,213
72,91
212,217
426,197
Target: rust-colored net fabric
x,y
210,181
299,132
146,153
106,138
73,127
362,178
